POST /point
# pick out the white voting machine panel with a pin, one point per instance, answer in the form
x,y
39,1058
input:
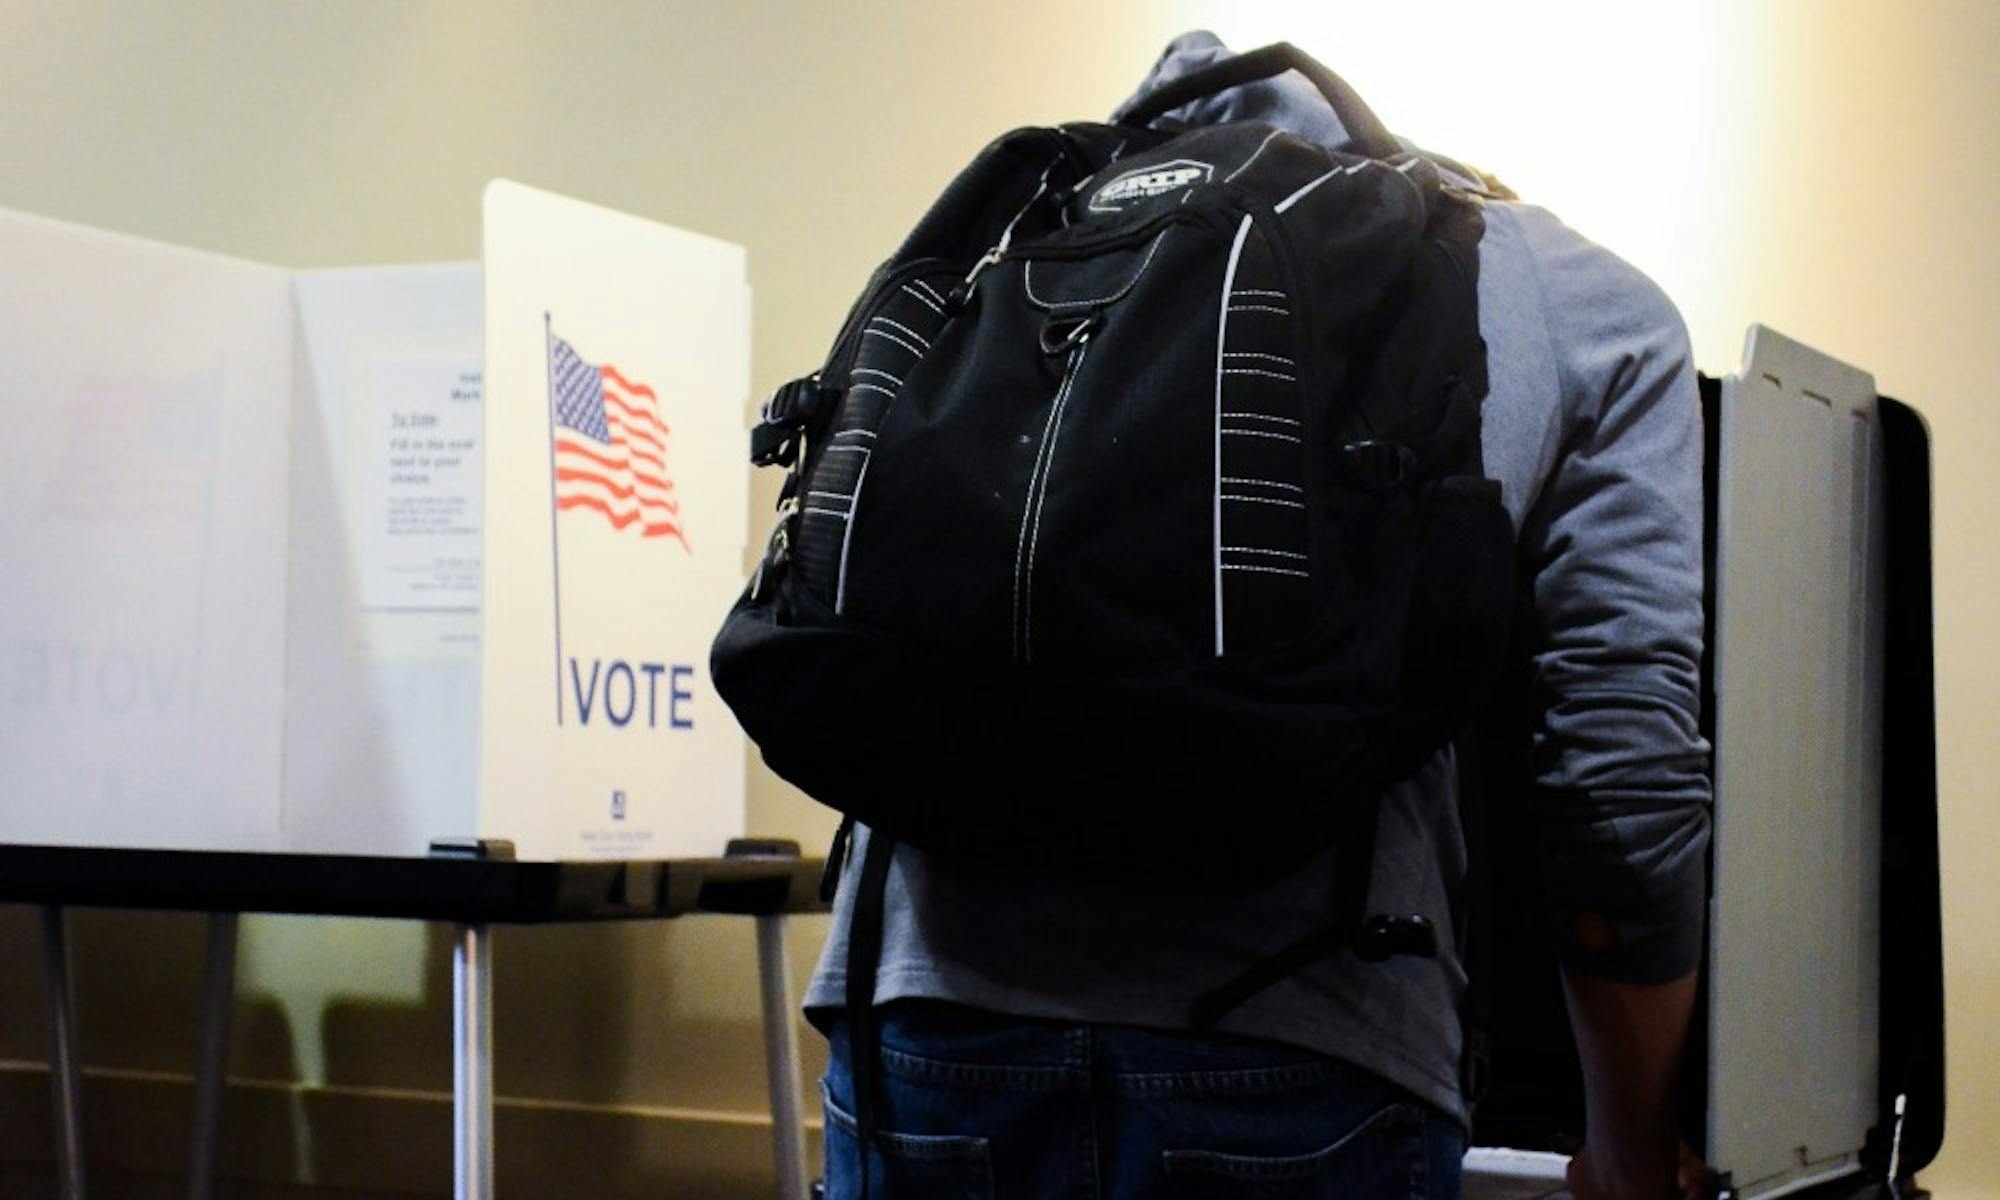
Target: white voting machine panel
x,y
348,560
1794,920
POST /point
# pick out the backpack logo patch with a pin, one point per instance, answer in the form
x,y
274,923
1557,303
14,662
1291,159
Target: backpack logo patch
x,y
1144,183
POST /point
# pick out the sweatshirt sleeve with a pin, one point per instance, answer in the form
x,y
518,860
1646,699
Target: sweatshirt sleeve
x,y
1613,543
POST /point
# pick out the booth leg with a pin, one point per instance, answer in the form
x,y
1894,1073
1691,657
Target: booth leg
x,y
218,998
781,1054
472,1063
65,1074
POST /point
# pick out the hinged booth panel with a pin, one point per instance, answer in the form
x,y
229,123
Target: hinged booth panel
x,y
616,356
1794,927
143,519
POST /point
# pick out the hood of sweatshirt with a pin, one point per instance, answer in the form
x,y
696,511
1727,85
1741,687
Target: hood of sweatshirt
x,y
1287,101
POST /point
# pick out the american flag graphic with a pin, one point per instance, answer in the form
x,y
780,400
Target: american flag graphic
x,y
146,446
610,446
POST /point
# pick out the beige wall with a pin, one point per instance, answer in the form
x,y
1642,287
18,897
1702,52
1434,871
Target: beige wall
x,y
1824,166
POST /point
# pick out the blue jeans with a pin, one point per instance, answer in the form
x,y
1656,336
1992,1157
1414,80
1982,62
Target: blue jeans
x,y
973,1105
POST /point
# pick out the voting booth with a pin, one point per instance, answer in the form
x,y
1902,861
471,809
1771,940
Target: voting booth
x,y
348,561
379,592
1817,1064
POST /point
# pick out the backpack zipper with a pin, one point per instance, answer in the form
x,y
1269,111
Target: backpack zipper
x,y
1076,341
1111,239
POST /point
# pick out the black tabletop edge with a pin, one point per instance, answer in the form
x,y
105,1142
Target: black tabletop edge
x,y
425,889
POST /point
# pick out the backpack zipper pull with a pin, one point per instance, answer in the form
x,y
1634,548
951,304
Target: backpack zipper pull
x,y
779,552
963,292
1069,333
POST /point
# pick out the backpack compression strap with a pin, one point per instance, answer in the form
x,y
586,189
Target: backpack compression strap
x,y
1372,937
1475,933
864,953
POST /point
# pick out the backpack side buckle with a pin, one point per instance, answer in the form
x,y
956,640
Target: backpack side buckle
x,y
795,405
1375,466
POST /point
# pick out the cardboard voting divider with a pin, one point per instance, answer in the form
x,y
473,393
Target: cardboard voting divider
x,y
142,515
617,361
347,560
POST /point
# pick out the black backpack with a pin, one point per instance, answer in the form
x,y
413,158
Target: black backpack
x,y
1136,524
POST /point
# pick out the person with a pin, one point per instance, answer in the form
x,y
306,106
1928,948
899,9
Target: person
x,y
1035,1042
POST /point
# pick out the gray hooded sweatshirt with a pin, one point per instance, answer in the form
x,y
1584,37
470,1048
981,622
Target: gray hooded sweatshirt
x,y
1592,427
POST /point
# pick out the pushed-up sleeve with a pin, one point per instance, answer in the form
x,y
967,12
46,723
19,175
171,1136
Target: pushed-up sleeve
x,y
1613,543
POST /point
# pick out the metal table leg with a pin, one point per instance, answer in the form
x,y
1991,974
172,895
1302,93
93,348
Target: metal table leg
x,y
781,1055
218,997
472,1063
65,1074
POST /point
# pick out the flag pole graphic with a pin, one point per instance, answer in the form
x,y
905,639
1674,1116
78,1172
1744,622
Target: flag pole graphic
x,y
555,547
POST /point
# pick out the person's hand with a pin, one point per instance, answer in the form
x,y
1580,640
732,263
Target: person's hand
x,y
1693,1180
1590,1179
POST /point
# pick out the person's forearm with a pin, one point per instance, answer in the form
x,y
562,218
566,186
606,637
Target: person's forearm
x,y
1629,1038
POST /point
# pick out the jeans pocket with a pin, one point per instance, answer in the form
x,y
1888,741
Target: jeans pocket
x,y
918,1166
1381,1158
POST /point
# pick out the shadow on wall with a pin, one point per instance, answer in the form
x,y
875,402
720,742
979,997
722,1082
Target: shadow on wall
x,y
138,992
629,1058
